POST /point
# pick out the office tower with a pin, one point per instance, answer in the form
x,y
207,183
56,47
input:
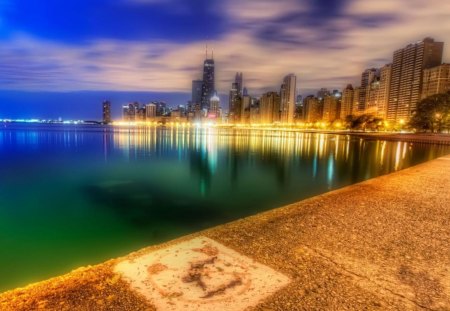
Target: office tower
x,y
347,101
436,80
312,109
378,92
367,77
234,105
407,76
322,93
196,98
106,105
330,108
208,86
150,111
267,106
214,106
239,80
287,96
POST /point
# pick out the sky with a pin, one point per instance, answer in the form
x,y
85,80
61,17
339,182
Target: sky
x,y
61,58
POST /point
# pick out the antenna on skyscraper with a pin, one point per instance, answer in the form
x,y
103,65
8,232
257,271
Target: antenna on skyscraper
x,y
212,54
206,54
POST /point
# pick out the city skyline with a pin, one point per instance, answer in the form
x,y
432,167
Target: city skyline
x,y
101,51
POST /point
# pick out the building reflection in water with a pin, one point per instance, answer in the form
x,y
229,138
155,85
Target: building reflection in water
x,y
331,157
334,160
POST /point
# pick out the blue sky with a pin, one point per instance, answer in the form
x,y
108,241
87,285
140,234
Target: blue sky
x,y
59,57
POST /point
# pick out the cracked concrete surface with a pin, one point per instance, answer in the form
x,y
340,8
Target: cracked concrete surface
x,y
383,244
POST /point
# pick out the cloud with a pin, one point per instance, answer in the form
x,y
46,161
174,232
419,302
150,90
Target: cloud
x,y
326,43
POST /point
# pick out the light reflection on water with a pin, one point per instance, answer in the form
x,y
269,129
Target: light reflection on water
x,y
74,195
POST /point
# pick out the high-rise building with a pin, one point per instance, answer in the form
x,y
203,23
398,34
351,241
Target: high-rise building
x,y
150,111
347,101
196,92
246,102
330,108
106,105
355,105
214,106
322,93
312,109
130,111
268,107
367,77
436,80
378,92
125,113
208,86
287,98
407,76
239,80
235,98
254,111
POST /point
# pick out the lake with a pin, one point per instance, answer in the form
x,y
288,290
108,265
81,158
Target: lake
x,y
73,195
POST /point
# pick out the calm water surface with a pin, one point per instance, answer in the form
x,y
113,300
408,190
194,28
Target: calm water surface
x,y
77,195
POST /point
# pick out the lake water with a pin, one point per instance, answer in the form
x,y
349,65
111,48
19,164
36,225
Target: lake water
x,y
78,195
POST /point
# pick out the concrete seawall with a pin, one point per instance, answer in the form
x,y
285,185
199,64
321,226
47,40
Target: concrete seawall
x,y
383,244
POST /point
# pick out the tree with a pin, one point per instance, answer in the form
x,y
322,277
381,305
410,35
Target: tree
x,y
432,114
365,121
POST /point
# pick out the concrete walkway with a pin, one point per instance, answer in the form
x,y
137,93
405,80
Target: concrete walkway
x,y
383,244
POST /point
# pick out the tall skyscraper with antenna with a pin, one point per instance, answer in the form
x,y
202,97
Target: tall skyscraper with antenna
x,y
208,86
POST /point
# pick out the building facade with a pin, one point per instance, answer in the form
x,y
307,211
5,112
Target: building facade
x,y
312,111
436,80
378,93
268,106
208,85
106,109
287,98
347,101
330,108
407,76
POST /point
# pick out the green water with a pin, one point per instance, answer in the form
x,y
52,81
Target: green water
x,y
74,195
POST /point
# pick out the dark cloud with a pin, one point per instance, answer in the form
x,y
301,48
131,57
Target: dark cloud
x,y
78,21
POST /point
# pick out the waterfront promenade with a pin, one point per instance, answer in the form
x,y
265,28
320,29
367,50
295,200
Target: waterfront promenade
x,y
383,244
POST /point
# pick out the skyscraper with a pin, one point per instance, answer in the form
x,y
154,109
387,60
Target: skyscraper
x,y
239,81
330,108
347,101
436,80
106,112
208,86
378,92
235,98
196,92
130,111
150,111
367,77
355,105
287,95
268,106
214,106
312,109
407,76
